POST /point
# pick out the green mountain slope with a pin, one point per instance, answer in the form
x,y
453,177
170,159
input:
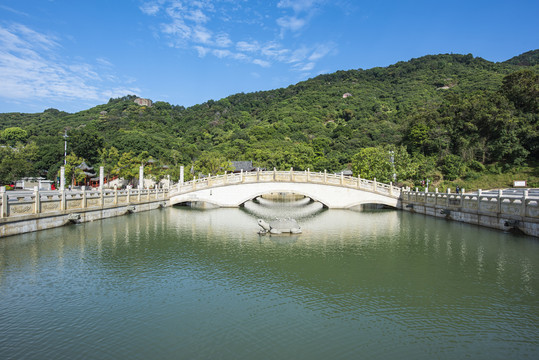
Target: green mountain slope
x,y
530,58
439,110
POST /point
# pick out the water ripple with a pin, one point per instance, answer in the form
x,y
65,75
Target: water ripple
x,y
189,284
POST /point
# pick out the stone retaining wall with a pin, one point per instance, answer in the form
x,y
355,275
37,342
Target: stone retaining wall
x,y
21,213
498,211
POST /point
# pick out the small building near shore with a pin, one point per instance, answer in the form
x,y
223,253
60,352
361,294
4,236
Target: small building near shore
x,y
88,172
29,183
345,172
246,166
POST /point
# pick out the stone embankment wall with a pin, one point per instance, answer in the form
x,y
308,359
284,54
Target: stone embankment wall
x,y
23,212
498,211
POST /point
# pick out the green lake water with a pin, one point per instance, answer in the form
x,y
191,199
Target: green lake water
x,y
181,283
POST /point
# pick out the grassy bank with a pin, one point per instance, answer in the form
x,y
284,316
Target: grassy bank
x,y
495,181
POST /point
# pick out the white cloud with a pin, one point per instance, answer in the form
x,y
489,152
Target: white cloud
x,y
223,53
304,67
104,62
247,47
291,23
262,63
275,51
31,69
303,11
196,16
7,8
86,71
178,29
150,8
201,35
299,55
297,5
205,25
223,40
21,38
175,10
321,51
202,51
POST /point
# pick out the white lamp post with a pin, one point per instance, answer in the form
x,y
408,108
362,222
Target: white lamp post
x,y
65,147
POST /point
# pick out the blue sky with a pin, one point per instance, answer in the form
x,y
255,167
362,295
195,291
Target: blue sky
x,y
72,55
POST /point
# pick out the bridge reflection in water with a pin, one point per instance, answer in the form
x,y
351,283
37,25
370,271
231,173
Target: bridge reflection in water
x,y
202,283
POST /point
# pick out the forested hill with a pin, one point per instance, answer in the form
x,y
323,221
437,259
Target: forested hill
x,y
444,116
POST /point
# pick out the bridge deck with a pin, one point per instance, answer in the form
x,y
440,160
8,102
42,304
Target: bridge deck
x,y
289,177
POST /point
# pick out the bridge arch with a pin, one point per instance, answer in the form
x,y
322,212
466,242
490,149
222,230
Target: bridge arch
x,y
333,196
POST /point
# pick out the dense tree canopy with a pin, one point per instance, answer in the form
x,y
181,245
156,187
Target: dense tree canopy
x,y
441,116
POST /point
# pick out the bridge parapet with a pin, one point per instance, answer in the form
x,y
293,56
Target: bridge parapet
x,y
290,177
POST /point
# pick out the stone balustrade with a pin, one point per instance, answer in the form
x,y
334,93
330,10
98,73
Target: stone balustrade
x,y
288,176
21,203
503,211
509,204
496,210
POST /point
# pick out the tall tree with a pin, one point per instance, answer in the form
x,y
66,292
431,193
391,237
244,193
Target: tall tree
x,y
108,158
14,135
72,170
522,88
17,162
86,143
212,163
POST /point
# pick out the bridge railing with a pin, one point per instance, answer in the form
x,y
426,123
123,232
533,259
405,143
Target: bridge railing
x,y
511,204
288,176
20,203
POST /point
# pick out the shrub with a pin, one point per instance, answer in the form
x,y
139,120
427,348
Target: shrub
x,y
451,166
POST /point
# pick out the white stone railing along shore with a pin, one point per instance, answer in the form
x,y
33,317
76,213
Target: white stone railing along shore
x,y
505,204
22,203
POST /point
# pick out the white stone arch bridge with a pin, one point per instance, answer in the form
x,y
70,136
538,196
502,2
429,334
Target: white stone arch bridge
x,y
333,191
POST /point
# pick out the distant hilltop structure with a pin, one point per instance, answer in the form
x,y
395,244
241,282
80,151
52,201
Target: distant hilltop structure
x,y
143,102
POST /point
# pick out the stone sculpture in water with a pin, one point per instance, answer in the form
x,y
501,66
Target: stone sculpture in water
x,y
279,226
